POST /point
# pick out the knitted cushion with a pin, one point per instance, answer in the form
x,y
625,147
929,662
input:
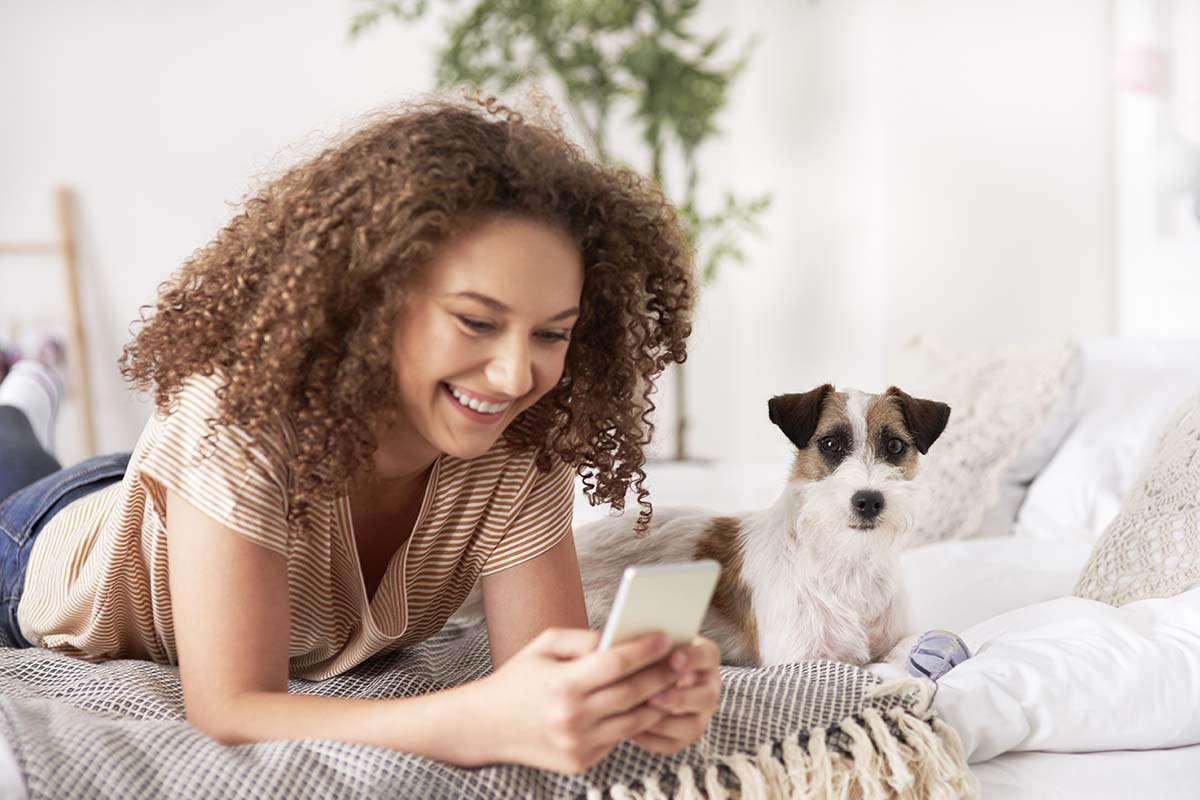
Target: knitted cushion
x,y
1009,410
1152,548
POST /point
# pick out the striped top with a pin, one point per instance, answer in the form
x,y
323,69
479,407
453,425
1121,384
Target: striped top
x,y
96,584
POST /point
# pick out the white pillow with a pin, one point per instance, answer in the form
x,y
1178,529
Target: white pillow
x,y
1075,675
954,585
1129,389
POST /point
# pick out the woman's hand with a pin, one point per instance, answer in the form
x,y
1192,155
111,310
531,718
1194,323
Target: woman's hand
x,y
560,704
689,705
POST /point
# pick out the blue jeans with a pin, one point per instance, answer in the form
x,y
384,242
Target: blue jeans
x,y
33,488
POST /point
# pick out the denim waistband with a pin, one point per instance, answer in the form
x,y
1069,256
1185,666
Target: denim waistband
x,y
26,510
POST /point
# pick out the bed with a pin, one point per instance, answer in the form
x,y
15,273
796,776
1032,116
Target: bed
x,y
1020,706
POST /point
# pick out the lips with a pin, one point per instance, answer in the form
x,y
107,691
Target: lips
x,y
477,407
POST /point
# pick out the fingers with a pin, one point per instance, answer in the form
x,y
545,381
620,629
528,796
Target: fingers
x,y
632,691
700,654
627,725
672,733
700,697
604,667
565,643
658,744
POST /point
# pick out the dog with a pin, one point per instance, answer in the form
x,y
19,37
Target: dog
x,y
816,575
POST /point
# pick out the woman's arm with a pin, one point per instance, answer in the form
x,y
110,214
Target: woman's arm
x,y
522,601
229,601
555,704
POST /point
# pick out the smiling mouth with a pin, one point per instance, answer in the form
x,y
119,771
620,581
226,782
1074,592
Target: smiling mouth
x,y
478,406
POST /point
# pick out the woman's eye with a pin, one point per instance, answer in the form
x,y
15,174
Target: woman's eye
x,y
895,446
476,324
552,336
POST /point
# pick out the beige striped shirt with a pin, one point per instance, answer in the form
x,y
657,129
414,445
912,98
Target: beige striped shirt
x,y
96,584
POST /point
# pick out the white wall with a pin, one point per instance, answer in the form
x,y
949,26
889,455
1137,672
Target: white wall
x,y
159,114
1158,233
939,168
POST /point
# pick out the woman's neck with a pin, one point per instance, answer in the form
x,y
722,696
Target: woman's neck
x,y
392,494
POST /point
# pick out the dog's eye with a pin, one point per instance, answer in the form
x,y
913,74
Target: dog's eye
x,y
896,446
829,444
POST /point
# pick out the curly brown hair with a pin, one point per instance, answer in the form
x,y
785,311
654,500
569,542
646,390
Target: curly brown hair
x,y
295,300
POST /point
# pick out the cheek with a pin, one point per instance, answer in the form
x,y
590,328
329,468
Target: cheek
x,y
548,369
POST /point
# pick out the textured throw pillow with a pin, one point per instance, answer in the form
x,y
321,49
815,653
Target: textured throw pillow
x,y
1152,548
1009,410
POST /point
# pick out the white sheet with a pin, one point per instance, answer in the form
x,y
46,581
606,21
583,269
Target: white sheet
x,y
1118,775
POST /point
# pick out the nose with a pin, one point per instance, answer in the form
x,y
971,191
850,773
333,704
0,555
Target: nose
x,y
510,370
867,503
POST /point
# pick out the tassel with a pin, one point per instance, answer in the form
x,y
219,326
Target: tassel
x,y
822,766
866,764
619,791
653,790
798,762
774,774
688,790
753,786
937,769
712,785
894,752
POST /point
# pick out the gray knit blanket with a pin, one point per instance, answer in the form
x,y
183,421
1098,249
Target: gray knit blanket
x,y
813,730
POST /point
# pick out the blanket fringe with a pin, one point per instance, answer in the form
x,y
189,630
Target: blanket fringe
x,y
904,753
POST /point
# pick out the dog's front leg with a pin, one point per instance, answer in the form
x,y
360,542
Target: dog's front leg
x,y
890,630
897,656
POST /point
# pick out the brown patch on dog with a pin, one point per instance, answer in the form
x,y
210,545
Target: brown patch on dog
x,y
884,420
809,464
719,541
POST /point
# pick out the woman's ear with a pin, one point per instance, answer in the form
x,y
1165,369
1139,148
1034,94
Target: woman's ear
x,y
926,419
797,414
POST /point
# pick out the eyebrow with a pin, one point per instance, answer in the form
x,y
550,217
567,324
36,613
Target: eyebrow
x,y
496,305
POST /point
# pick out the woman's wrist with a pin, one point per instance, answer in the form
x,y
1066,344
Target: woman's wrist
x,y
454,725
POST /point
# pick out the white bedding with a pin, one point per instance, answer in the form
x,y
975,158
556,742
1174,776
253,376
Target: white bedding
x,y
1075,675
1117,775
1022,688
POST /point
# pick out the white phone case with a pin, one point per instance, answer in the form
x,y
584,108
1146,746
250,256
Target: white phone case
x,y
672,598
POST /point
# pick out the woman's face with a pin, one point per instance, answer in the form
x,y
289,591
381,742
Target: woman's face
x,y
483,336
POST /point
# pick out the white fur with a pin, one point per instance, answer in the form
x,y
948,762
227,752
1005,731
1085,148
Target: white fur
x,y
818,588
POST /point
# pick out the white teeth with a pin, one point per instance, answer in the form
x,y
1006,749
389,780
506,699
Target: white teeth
x,y
476,404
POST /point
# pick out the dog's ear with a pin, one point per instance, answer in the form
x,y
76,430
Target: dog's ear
x,y
797,414
925,418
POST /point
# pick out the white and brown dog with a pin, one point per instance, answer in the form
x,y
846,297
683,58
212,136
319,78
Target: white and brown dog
x,y
815,575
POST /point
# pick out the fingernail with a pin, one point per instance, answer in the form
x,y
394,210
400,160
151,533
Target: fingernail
x,y
662,643
679,660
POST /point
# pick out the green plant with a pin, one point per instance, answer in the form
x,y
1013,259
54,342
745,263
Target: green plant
x,y
612,60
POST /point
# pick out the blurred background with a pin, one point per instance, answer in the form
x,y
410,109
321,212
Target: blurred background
x,y
941,174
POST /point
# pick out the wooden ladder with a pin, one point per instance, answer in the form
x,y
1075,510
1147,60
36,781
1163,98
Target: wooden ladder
x,y
65,248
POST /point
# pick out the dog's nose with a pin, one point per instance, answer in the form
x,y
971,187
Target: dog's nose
x,y
867,503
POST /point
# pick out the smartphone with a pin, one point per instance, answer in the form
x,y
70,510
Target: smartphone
x,y
671,598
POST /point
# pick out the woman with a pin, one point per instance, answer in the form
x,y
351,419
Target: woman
x,y
372,388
